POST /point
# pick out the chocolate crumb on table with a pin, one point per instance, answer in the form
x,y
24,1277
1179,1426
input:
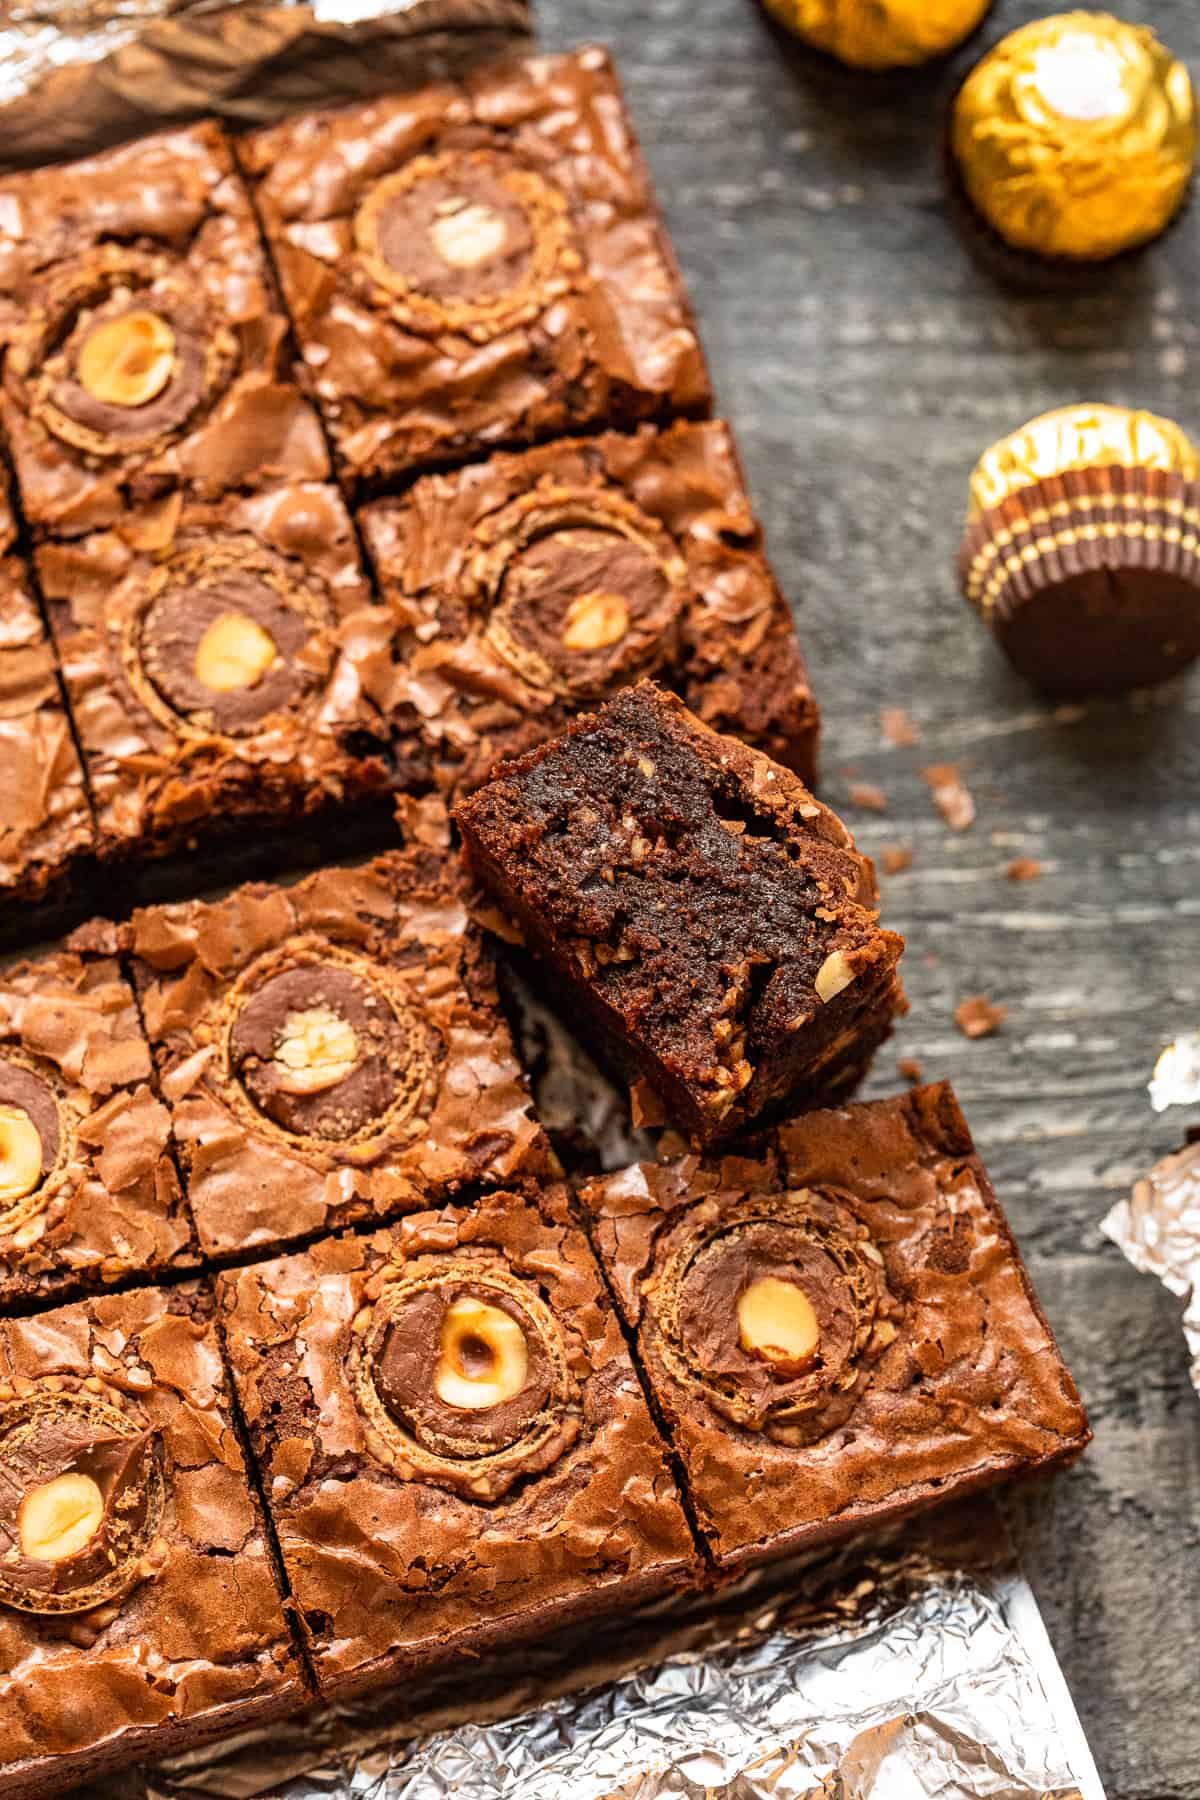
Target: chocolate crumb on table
x,y
454,1444
977,1016
1024,868
951,795
711,922
894,859
215,658
144,352
868,795
138,1609
477,263
331,1051
532,585
88,1189
836,1324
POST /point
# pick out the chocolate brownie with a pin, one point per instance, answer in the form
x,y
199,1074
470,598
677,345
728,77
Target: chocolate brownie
x,y
138,1609
476,263
454,1445
530,585
712,922
330,1051
213,659
88,1190
836,1324
144,351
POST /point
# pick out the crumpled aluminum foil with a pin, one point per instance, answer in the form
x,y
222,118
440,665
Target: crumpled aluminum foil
x,y
1176,1078
1158,1228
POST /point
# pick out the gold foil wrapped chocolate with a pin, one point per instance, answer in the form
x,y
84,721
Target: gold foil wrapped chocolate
x,y
1082,549
881,34
1076,136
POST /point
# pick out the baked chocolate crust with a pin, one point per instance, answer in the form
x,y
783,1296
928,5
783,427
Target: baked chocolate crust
x,y
165,1626
138,614
411,1530
476,263
144,351
533,584
88,1190
331,1051
935,1372
711,919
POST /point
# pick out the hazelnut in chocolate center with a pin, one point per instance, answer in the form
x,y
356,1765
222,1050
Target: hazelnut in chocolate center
x,y
127,360
226,654
778,1323
30,1132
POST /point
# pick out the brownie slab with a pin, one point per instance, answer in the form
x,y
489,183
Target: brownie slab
x,y
836,1324
476,263
144,352
454,1445
711,921
532,585
138,1609
213,656
330,1051
88,1189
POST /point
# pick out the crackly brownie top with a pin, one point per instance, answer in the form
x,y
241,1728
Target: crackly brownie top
x,y
130,1546
142,342
475,260
330,1046
836,1320
530,584
87,1186
697,886
452,1395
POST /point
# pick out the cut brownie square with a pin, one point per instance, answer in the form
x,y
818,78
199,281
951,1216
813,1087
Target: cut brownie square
x,y
331,1051
213,661
144,351
138,1608
476,263
711,921
454,1445
531,585
88,1189
836,1324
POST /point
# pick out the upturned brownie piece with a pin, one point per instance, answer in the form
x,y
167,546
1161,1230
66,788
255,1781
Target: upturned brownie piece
x,y
454,1446
331,1051
711,920
144,352
836,1325
213,657
529,586
138,1609
476,263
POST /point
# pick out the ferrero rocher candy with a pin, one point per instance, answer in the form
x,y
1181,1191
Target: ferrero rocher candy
x,y
881,34
1082,549
1075,138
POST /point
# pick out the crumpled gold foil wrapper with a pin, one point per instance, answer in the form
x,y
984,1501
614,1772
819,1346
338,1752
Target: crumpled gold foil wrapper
x,y
1158,1230
881,34
1076,136
1079,437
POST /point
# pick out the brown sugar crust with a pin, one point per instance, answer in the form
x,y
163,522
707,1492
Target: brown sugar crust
x,y
392,1557
950,1379
169,754
159,231
404,1082
183,1634
476,263
712,919
75,1065
532,583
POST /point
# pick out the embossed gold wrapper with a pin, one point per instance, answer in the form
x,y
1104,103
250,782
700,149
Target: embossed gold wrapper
x,y
881,34
1076,136
1080,437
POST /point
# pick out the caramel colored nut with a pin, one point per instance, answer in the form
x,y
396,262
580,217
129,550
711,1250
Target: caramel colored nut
x,y
316,1049
776,1321
20,1153
483,1359
834,974
467,233
58,1518
595,621
129,360
235,652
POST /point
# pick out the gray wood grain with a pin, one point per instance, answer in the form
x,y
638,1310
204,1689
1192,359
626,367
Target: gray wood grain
x,y
865,362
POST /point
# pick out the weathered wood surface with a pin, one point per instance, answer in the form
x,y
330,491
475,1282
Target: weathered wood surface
x,y
864,362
